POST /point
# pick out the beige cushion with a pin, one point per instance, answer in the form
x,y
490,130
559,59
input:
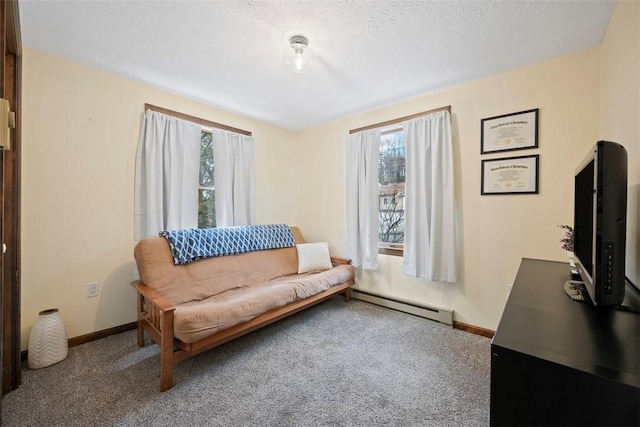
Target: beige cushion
x,y
313,257
217,293
201,279
199,319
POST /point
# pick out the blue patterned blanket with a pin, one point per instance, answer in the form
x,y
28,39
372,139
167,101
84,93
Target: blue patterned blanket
x,y
192,244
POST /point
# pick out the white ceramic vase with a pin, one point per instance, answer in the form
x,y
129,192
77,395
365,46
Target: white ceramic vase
x,y
47,341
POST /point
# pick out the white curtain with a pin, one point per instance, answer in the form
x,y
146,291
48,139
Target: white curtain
x,y
430,233
166,178
362,198
233,157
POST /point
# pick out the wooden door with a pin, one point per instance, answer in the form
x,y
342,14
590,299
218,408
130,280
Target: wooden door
x,y
10,74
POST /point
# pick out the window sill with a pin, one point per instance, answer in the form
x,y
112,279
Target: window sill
x,y
391,251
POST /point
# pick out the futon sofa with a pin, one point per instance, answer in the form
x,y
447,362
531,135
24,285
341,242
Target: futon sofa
x,y
187,308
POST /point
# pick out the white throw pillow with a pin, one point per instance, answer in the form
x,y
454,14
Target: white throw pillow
x,y
313,257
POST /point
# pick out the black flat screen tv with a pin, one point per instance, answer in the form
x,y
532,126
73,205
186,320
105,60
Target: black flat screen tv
x,y
600,222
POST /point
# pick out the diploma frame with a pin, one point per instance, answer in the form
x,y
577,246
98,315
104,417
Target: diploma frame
x,y
501,176
515,131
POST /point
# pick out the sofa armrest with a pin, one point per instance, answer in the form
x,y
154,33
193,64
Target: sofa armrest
x,y
155,316
152,296
340,261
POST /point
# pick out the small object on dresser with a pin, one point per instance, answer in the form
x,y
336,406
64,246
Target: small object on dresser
x,y
568,240
575,275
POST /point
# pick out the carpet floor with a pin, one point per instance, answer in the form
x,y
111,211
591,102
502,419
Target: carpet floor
x,y
337,363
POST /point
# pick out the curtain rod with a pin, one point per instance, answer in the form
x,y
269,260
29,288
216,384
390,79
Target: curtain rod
x,y
198,120
401,119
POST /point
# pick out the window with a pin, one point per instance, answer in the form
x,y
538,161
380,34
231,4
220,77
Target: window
x,y
391,178
148,219
401,145
206,189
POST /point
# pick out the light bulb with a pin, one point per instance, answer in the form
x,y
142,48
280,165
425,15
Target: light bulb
x,y
298,57
299,61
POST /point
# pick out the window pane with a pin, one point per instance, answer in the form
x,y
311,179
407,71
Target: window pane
x,y
206,196
391,205
391,175
391,161
206,160
206,208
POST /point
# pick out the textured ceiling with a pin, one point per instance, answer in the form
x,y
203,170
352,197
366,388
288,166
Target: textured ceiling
x,y
368,53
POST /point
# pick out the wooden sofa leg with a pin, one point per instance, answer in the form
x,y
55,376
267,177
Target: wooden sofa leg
x,y
166,369
140,335
166,351
140,329
347,294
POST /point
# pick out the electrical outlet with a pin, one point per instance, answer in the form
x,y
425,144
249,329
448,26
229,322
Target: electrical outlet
x,y
92,289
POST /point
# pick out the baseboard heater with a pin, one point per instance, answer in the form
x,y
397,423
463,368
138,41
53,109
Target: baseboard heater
x,y
439,314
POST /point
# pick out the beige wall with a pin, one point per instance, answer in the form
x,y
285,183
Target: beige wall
x,y
620,110
496,231
80,131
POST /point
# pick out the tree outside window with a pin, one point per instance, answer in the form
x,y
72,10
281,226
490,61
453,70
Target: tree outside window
x,y
206,189
391,179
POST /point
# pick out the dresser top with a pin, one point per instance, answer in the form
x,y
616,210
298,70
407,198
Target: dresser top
x,y
540,320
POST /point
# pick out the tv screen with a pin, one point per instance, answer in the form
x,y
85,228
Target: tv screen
x,y
600,218
583,221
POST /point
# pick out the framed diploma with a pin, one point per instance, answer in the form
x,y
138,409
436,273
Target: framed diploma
x,y
517,131
512,175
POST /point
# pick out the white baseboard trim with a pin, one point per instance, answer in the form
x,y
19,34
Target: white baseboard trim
x,y
440,314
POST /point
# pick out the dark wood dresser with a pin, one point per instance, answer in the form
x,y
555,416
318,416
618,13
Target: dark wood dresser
x,y
558,362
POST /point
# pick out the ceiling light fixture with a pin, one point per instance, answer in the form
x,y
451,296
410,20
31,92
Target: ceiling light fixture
x,y
298,57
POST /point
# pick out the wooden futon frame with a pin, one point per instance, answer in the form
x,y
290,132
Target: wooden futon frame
x,y
155,316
